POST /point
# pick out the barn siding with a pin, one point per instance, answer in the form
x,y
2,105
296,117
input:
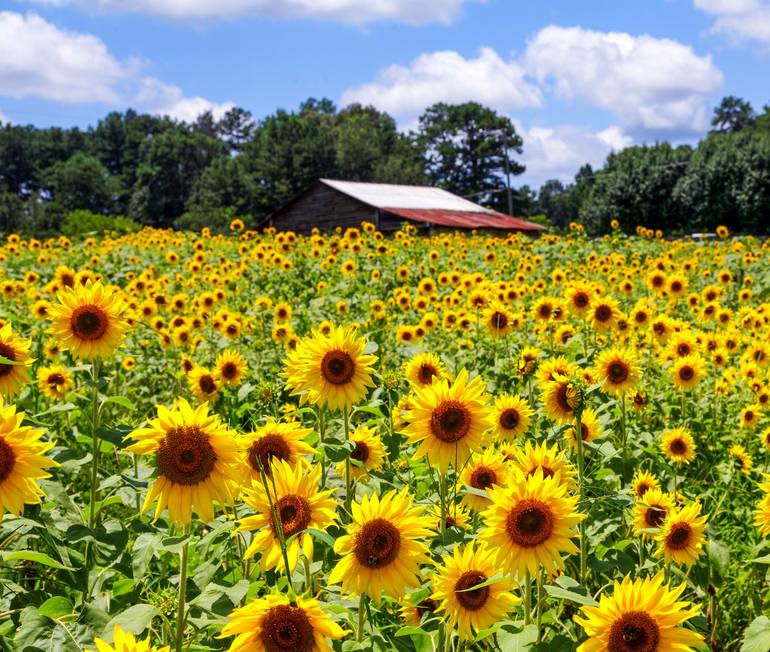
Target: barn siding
x,y
322,207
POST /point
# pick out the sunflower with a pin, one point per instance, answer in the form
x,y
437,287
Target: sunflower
x,y
484,470
278,623
750,416
87,320
678,445
14,349
333,370
560,399
642,615
643,481
682,535
413,612
467,607
578,297
298,506
54,381
762,514
590,428
449,421
498,320
196,457
125,642
687,372
512,416
457,515
618,370
742,458
22,462
203,384
423,369
549,461
230,367
368,455
274,441
651,511
553,367
604,313
530,523
383,551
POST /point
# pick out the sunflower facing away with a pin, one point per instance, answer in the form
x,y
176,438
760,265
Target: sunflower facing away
x,y
423,369
271,442
13,376
678,445
642,615
196,456
530,523
299,506
54,381
276,624
368,454
618,370
332,370
126,642
22,462
682,535
484,470
512,416
87,320
384,549
468,608
449,421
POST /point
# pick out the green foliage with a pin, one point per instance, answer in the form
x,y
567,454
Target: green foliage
x,y
84,222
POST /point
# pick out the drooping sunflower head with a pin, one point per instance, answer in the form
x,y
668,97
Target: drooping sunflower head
x,y
383,548
88,320
483,471
682,535
678,445
333,370
230,367
54,381
123,641
651,511
531,523
197,461
449,420
274,441
368,455
423,369
277,624
641,615
467,605
16,350
618,370
512,416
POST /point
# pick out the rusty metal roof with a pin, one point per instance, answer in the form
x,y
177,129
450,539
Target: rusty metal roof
x,y
464,219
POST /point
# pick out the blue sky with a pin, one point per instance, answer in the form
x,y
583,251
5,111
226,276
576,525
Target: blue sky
x,y
578,78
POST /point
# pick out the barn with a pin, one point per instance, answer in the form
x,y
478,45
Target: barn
x,y
330,203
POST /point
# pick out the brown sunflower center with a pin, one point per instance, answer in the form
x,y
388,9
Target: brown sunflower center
x,y
562,398
679,536
55,379
7,460
10,354
509,418
580,300
529,523
634,631
641,489
683,349
426,372
185,455
427,606
89,323
603,313
483,477
654,516
337,367
207,384
499,320
678,447
686,373
377,544
470,597
294,512
267,448
287,628
618,372
360,452
450,421
229,370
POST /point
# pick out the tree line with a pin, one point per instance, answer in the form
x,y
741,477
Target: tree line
x,y
161,172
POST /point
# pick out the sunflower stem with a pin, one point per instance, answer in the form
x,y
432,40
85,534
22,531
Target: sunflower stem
x,y
442,502
582,526
95,368
539,616
277,526
348,481
361,618
180,613
321,434
308,576
527,598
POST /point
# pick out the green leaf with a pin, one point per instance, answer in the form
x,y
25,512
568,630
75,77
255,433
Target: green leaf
x,y
11,363
37,557
756,638
516,641
120,400
323,536
566,594
497,577
55,607
135,619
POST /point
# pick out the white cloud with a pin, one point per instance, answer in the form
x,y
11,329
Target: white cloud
x,y
446,76
4,119
355,12
557,152
38,59
739,20
649,84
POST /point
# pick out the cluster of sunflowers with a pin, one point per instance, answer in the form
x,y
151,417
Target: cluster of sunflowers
x,y
351,441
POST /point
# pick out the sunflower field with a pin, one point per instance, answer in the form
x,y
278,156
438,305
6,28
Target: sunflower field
x,y
263,441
